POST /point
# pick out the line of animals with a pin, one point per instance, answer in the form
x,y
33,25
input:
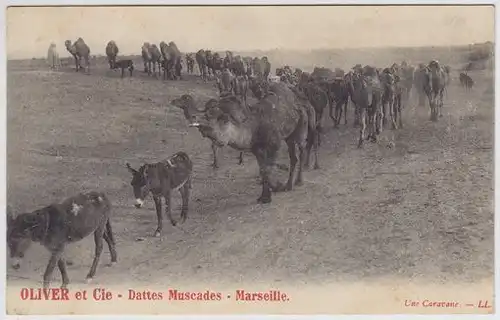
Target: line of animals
x,y
289,108
167,57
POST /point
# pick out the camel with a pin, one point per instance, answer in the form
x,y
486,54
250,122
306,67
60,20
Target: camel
x,y
393,89
318,98
280,115
201,60
79,50
146,57
172,60
155,58
366,91
434,86
419,77
111,53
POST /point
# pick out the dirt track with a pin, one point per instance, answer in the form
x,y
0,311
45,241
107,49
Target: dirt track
x,y
422,209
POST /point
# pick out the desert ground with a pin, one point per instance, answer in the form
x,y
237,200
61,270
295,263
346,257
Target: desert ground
x,y
420,207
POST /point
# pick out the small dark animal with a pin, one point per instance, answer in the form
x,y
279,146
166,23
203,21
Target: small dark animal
x,y
466,81
161,179
124,64
57,225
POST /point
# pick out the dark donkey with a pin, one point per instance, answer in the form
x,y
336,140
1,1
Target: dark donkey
x,y
57,225
161,179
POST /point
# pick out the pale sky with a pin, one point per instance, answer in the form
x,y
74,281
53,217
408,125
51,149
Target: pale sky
x,y
31,29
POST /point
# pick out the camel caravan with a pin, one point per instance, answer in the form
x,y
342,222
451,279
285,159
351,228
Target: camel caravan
x,y
286,108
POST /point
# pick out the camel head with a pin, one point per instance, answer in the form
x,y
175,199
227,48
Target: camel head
x,y
68,44
188,105
434,65
216,124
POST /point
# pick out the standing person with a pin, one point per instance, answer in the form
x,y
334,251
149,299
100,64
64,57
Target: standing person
x,y
53,57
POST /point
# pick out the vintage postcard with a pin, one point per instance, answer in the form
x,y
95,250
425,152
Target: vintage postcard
x,y
326,159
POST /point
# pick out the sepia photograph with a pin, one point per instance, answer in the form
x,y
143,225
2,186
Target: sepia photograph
x,y
246,159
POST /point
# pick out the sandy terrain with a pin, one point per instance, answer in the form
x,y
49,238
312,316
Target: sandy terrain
x,y
422,210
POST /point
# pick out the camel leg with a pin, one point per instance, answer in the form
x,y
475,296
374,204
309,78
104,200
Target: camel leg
x,y
332,106
394,114
362,127
215,150
240,162
266,157
421,99
400,109
302,147
377,120
87,62
345,112
339,107
292,153
384,110
357,115
441,103
429,97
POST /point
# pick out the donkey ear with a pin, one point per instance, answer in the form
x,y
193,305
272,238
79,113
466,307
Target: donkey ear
x,y
132,170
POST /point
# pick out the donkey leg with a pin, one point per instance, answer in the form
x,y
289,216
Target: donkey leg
x,y
185,193
159,215
292,153
110,240
98,236
54,258
168,206
64,273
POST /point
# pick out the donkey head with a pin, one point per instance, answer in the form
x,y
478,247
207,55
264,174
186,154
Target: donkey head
x,y
139,185
23,229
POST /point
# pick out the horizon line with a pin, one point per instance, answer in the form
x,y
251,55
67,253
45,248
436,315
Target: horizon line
x,y
103,54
